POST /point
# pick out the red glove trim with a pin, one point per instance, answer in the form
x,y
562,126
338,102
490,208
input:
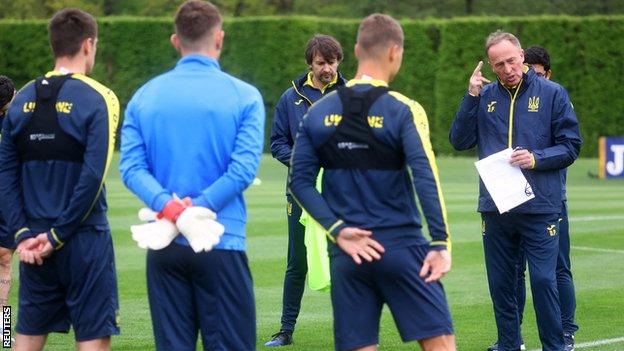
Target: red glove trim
x,y
173,209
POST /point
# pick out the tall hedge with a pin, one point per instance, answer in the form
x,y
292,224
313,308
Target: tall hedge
x,y
439,57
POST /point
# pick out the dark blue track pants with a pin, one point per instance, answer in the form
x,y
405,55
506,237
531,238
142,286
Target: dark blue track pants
x,y
297,268
565,283
503,237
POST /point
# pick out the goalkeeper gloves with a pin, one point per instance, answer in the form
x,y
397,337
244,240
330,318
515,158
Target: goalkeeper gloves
x,y
154,235
174,208
199,227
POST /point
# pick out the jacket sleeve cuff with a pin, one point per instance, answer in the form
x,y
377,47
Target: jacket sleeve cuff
x,y
335,229
23,234
537,155
160,201
472,98
203,201
469,102
53,238
439,246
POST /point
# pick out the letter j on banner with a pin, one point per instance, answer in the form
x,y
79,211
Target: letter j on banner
x,y
611,157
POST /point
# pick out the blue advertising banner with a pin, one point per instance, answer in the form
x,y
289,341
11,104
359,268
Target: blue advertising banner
x,y
611,157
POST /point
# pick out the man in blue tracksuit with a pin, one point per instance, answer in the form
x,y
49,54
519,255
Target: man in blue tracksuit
x,y
539,59
57,143
536,118
7,243
323,55
197,132
374,147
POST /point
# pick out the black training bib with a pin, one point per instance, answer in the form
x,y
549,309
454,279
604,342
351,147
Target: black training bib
x,y
353,145
42,138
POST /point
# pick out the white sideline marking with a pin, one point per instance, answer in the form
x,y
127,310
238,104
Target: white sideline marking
x,y
594,218
586,345
597,249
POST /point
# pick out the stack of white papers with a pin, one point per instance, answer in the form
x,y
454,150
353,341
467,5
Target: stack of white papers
x,y
505,183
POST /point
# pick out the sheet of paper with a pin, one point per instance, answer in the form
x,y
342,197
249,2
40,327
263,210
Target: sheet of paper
x,y
505,183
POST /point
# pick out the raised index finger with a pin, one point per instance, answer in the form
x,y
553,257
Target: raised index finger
x,y
478,68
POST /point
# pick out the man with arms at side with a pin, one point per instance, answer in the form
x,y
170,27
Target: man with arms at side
x,y
536,118
538,58
196,132
374,147
323,54
57,143
7,243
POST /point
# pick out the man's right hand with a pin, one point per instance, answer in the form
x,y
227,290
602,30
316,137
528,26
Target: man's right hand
x,y
358,244
477,81
435,265
29,251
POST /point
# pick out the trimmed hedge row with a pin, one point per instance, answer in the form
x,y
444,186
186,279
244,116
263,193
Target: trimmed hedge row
x,y
439,57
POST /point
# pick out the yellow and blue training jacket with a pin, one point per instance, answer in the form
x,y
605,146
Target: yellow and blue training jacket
x,y
290,109
538,116
370,194
54,164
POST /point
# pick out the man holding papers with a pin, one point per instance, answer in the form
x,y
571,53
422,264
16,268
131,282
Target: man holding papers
x,y
535,119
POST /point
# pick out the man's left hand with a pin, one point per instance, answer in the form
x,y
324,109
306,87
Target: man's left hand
x,y
436,264
523,158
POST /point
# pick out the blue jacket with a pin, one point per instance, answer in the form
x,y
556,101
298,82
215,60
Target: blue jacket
x,y
4,229
383,201
59,196
291,107
537,116
6,238
197,132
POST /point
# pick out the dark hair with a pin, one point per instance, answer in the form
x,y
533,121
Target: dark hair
x,y
537,55
7,90
326,46
68,29
378,31
194,20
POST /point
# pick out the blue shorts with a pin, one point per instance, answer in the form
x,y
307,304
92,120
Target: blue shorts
x,y
358,293
75,286
211,292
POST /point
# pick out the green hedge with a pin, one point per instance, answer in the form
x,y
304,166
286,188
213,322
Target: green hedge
x,y
439,57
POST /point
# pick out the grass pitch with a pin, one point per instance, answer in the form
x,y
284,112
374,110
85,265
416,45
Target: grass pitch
x,y
596,211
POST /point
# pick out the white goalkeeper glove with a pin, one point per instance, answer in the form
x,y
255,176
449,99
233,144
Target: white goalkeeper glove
x,y
199,227
154,235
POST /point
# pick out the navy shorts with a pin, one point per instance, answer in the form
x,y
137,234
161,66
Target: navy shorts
x,y
211,292
358,293
75,286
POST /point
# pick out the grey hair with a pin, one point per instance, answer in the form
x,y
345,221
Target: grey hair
x,y
499,36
